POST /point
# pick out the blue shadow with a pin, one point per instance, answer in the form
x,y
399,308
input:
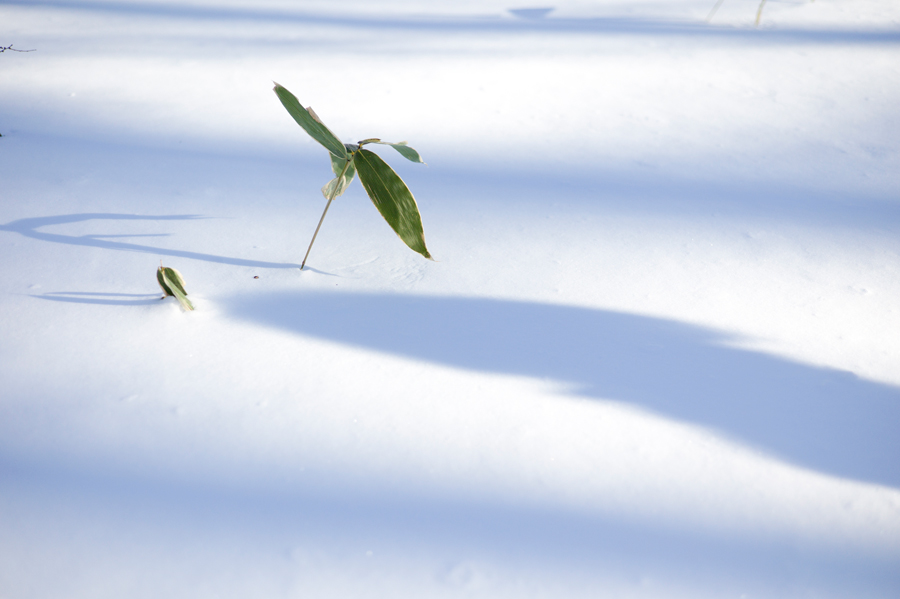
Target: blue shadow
x,y
819,418
29,228
103,299
480,23
345,517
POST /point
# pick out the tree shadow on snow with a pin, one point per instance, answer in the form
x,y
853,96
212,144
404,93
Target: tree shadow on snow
x,y
818,418
480,22
102,299
426,530
29,228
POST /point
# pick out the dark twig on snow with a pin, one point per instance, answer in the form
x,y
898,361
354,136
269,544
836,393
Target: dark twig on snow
x,y
10,47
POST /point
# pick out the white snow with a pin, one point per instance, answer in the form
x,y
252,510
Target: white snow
x,y
658,353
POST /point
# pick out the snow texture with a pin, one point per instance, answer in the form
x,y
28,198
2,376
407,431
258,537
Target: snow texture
x,y
658,353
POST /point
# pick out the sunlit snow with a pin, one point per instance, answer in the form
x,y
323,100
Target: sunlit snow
x,y
657,353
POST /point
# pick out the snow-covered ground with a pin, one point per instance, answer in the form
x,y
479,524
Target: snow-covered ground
x,y
658,353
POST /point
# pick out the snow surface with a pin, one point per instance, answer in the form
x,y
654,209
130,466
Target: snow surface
x,y
658,353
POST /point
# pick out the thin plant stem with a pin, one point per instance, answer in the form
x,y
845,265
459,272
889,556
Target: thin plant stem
x,y
759,12
714,9
319,226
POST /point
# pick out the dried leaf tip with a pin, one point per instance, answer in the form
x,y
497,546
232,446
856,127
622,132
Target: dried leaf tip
x,y
313,114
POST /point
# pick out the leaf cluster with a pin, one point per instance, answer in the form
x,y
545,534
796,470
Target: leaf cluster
x,y
391,196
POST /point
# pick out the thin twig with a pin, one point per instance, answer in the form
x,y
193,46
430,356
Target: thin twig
x,y
10,47
333,195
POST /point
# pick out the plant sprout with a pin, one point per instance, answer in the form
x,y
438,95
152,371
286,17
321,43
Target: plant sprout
x,y
385,188
172,283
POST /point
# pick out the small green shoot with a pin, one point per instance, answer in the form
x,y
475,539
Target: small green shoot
x,y
172,283
391,196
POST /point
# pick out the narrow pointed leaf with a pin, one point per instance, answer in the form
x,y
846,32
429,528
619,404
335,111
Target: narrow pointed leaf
x,y
392,198
405,150
310,122
176,286
175,278
184,301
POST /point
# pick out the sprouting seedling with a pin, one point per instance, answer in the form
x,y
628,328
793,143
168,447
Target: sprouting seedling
x,y
172,283
385,188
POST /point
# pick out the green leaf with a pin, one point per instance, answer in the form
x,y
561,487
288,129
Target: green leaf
x,y
162,282
310,122
392,198
177,281
406,151
172,283
184,301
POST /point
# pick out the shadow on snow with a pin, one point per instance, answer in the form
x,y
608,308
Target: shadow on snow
x,y
102,299
428,529
486,23
29,228
818,418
